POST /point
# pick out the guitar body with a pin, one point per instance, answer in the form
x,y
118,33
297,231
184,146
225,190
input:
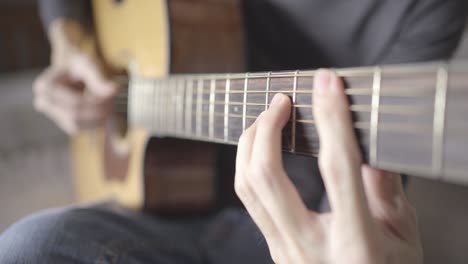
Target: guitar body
x,y
151,39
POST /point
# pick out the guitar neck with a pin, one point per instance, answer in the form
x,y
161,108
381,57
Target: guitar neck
x,y
408,118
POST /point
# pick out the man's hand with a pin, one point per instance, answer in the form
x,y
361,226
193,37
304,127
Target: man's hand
x,y
73,91
371,220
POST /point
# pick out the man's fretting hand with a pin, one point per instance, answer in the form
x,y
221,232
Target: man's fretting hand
x,y
371,220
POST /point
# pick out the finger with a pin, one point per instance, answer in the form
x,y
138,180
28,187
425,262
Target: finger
x,y
388,202
74,118
54,87
275,190
78,105
270,128
46,80
244,148
245,191
60,118
339,156
86,69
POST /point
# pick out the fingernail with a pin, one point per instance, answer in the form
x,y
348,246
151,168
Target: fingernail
x,y
335,85
276,100
322,81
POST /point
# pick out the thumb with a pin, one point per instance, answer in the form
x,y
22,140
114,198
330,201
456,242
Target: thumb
x,y
87,69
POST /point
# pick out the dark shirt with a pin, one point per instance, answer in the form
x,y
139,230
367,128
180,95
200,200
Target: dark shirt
x,y
301,34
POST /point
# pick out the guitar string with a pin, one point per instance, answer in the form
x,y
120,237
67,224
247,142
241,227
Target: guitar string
x,y
361,125
428,68
349,91
353,107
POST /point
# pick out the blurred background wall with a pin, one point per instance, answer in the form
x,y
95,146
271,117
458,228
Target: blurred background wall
x,y
34,157
34,161
23,44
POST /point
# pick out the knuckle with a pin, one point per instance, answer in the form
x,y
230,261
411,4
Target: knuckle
x,y
329,168
262,173
325,162
75,103
266,123
43,81
239,186
365,252
71,128
246,136
243,190
38,105
74,117
39,85
242,139
333,164
278,258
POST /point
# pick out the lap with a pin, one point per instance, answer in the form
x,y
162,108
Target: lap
x,y
101,235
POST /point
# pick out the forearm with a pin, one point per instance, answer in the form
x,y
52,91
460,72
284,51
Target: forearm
x,y
67,23
75,10
67,37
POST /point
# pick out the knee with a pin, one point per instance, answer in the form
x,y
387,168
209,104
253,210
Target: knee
x,y
40,237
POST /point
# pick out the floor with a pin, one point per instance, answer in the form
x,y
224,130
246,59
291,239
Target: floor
x,y
34,164
35,174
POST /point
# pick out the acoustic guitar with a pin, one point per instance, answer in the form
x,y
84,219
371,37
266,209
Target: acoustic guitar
x,y
409,118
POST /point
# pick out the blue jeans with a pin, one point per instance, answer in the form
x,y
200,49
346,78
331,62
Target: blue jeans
x,y
101,234
108,234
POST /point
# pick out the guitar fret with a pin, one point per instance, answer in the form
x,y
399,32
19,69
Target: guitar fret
x,y
226,108
188,107
199,107
171,106
267,90
138,103
293,125
180,104
164,127
134,95
440,110
161,107
164,107
419,120
175,99
158,105
376,87
175,107
244,107
132,103
150,104
153,106
211,109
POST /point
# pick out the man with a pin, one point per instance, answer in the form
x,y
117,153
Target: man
x,y
371,220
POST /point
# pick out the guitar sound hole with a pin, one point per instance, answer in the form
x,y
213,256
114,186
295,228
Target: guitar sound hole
x,y
118,1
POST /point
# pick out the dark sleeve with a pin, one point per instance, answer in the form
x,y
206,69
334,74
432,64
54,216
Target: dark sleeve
x,y
78,10
431,31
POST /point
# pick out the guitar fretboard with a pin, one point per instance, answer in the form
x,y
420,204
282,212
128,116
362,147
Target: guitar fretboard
x,y
407,118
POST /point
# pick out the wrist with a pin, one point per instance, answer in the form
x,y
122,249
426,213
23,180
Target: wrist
x,y
68,37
